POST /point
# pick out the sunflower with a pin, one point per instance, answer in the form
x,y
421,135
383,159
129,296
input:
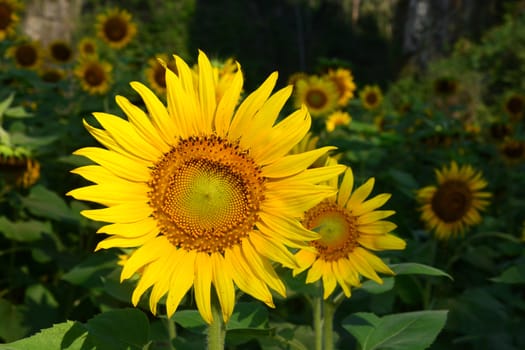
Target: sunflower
x,y
337,118
512,150
8,17
318,94
454,204
60,51
20,171
115,27
445,86
87,46
203,191
371,97
27,55
350,226
514,106
156,72
295,77
344,81
51,74
94,75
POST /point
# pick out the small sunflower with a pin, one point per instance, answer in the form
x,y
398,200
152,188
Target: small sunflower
x,y
445,86
60,51
455,202
116,28
513,150
20,171
156,72
499,130
318,94
337,118
8,17
295,77
94,75
51,74
28,55
514,106
350,227
344,81
87,47
203,192
371,97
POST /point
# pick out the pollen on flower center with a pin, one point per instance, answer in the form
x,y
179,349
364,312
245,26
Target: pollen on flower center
x,y
206,194
338,230
452,200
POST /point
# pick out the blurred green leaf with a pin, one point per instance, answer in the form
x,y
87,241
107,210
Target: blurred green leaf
x,y
405,331
17,112
513,275
91,271
4,105
24,231
373,287
418,269
12,322
112,330
190,319
45,203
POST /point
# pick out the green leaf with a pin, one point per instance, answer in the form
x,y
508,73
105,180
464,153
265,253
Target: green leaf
x,y
45,203
17,112
191,320
112,330
405,331
4,105
24,231
12,322
248,315
89,273
418,269
513,275
373,287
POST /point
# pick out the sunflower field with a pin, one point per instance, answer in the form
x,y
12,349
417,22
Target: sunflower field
x,y
298,174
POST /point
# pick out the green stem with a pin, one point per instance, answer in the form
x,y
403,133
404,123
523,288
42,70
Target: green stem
x,y
328,324
317,307
217,329
172,332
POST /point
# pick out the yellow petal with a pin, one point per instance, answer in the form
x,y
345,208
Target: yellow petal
x,y
112,194
360,194
374,216
345,190
150,251
207,99
251,104
305,259
160,288
116,163
340,274
329,281
223,283
381,242
295,163
273,250
363,267
130,230
285,227
310,176
262,268
142,124
227,104
125,242
159,115
374,261
245,278
283,137
182,106
124,134
316,271
371,204
202,285
122,213
98,174
377,227
182,278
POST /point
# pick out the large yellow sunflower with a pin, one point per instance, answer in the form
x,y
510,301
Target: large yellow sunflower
x,y
94,75
27,55
205,191
116,28
8,17
350,227
371,97
320,95
454,204
344,81
156,72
